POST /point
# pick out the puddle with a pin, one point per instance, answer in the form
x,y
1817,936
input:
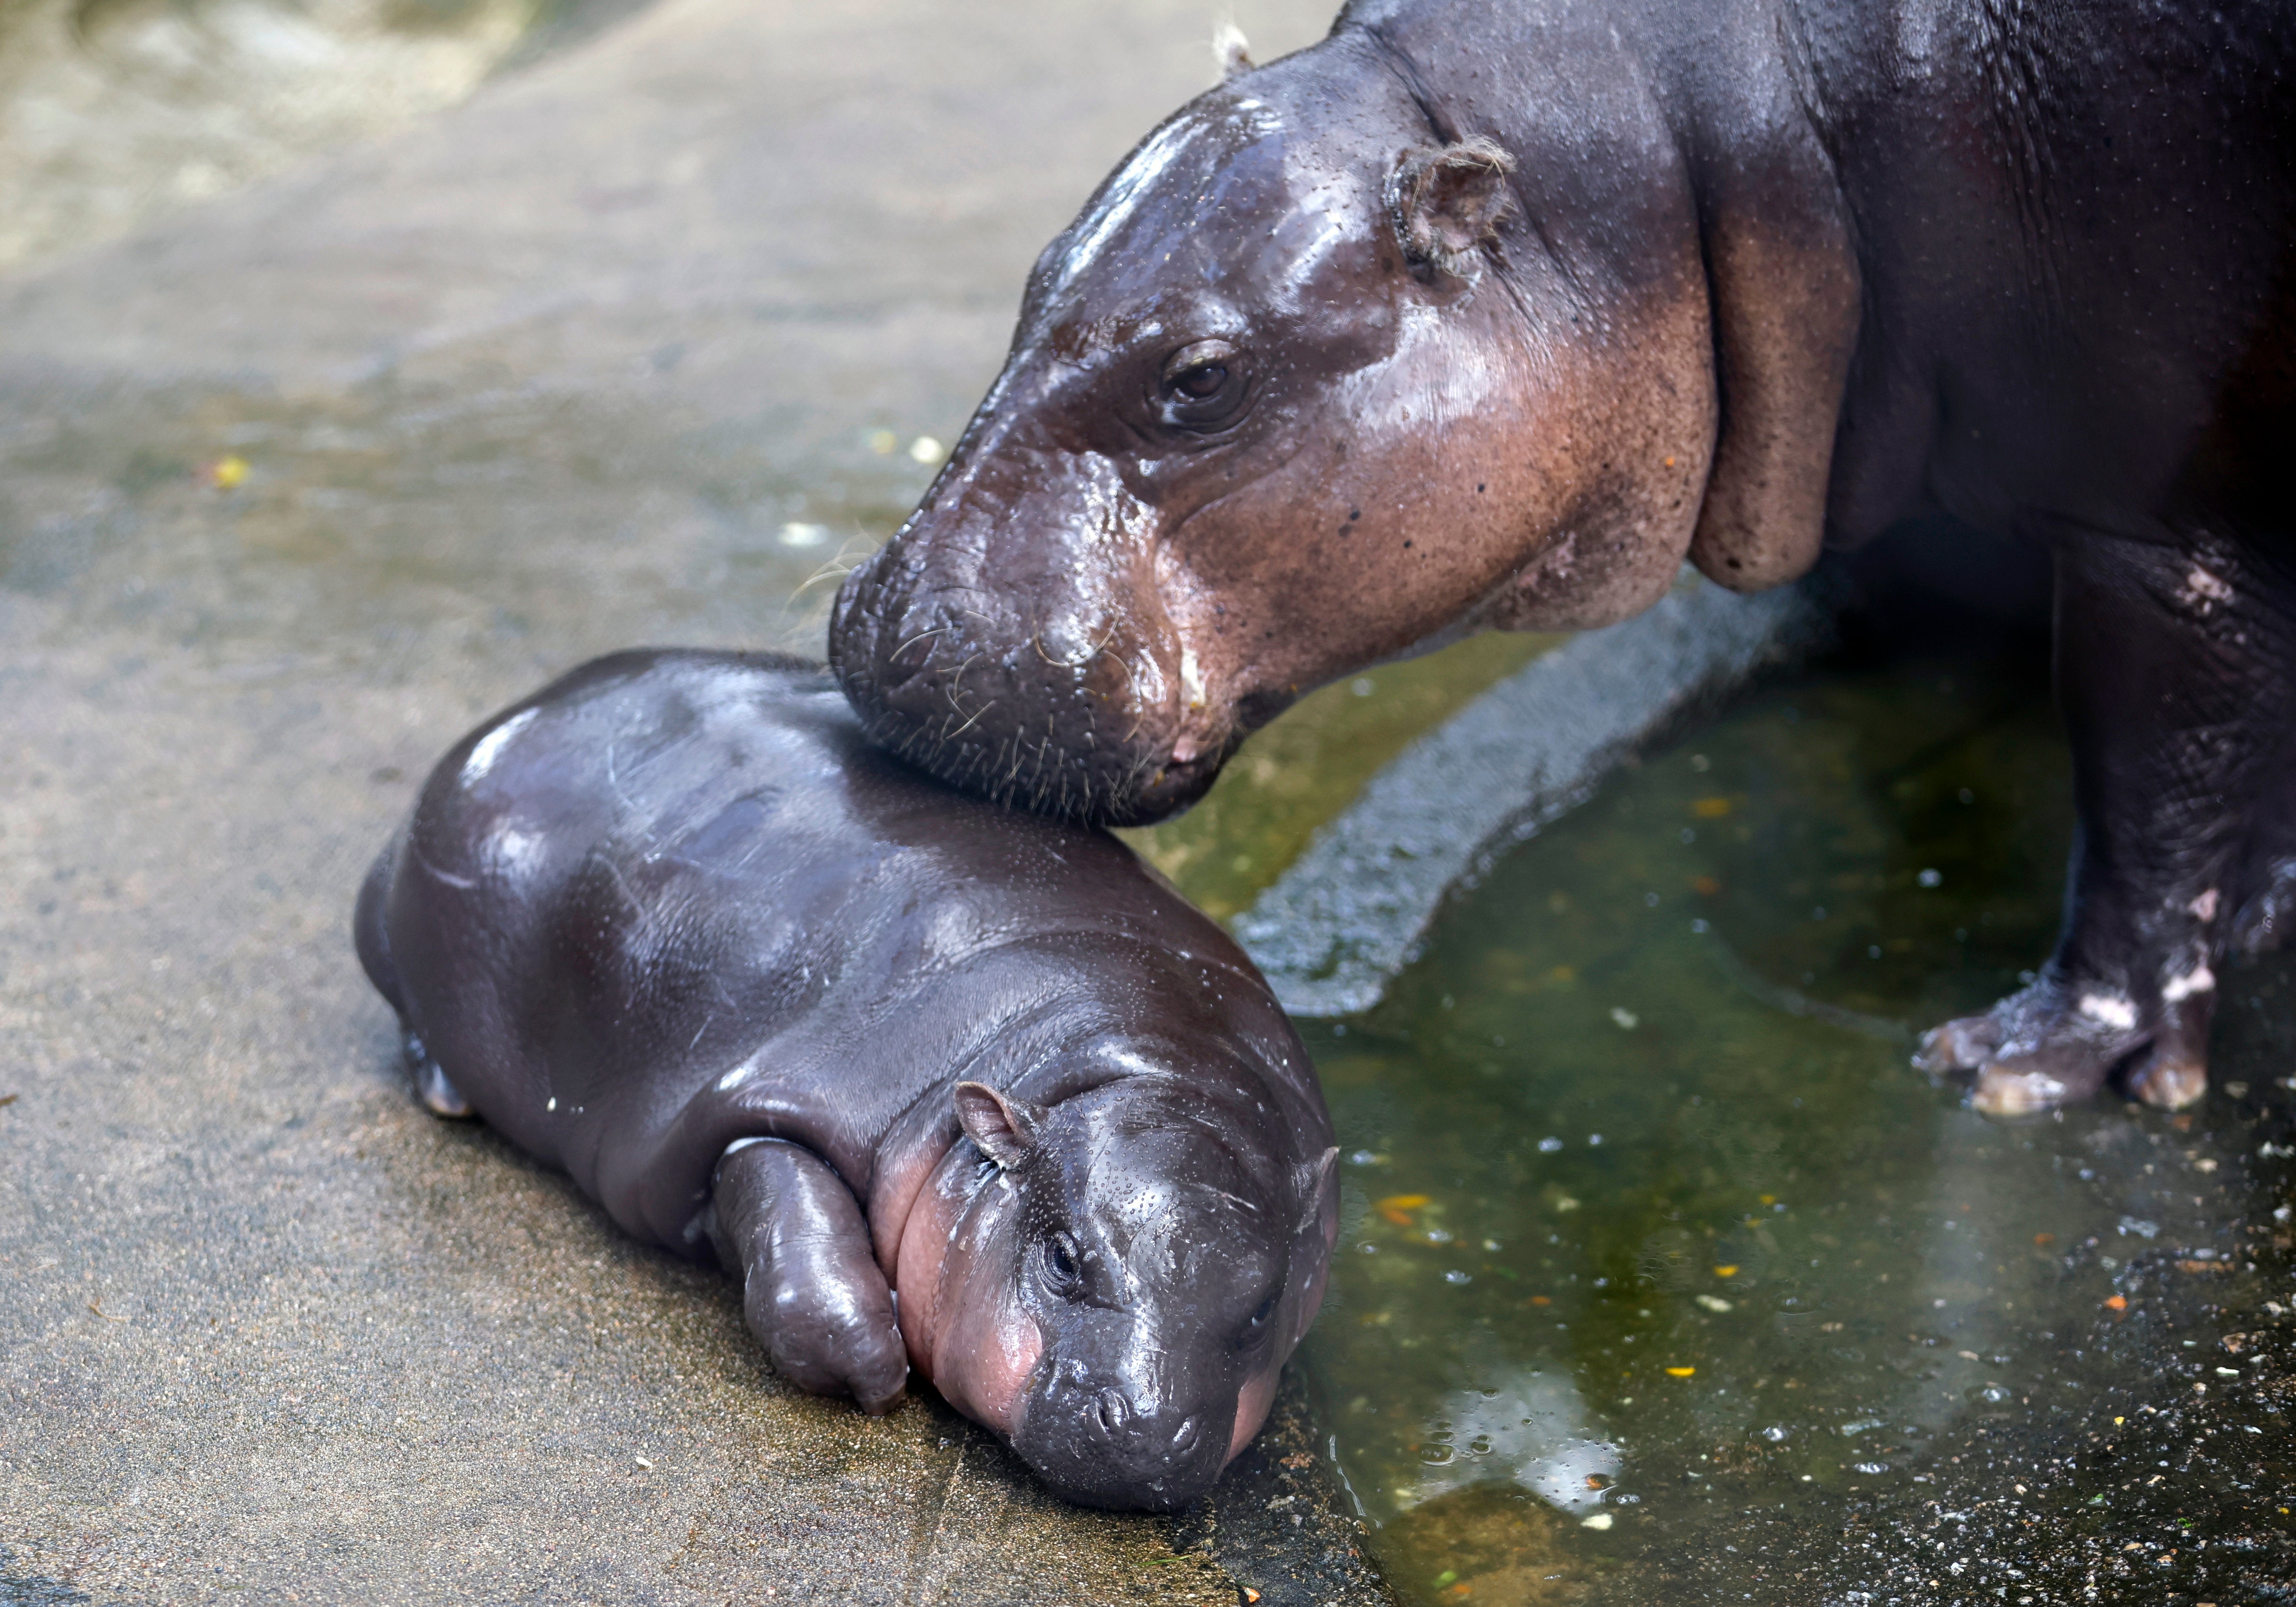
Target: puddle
x,y
1660,1264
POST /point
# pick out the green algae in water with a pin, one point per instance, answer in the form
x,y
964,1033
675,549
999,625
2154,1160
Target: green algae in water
x,y
1305,769
1648,1224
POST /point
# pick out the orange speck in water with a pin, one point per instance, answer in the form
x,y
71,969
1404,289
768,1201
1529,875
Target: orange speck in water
x,y
2118,1302
1706,887
1710,809
1540,1300
1397,1208
1670,462
1726,1272
2045,1238
1680,1371
1769,1199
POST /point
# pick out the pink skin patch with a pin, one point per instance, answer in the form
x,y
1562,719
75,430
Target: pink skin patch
x,y
960,1315
1252,1402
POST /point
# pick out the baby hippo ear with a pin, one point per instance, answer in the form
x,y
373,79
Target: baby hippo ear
x,y
1006,1129
1313,1176
1445,203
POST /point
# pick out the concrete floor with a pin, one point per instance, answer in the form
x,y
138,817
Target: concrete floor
x,y
293,487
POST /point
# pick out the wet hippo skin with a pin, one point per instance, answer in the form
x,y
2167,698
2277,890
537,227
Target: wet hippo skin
x,y
1477,317
947,1086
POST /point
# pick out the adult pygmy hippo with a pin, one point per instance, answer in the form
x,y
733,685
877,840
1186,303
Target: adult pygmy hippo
x,y
1481,316
946,1085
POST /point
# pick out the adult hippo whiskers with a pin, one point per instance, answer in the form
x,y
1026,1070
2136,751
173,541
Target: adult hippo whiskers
x,y
1481,315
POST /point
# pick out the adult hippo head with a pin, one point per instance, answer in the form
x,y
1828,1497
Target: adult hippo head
x,y
1332,367
1125,1272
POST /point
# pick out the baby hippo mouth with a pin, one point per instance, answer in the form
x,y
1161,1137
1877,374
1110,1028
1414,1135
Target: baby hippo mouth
x,y
1101,1446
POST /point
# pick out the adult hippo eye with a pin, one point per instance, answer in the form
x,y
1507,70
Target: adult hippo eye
x,y
1063,1265
1202,386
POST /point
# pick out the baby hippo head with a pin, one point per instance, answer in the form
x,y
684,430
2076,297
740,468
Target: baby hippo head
x,y
1161,1254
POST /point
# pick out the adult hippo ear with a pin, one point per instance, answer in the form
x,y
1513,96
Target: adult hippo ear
x,y
1005,1128
1446,204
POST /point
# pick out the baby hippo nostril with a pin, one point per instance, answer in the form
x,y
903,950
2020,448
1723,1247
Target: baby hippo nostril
x,y
1112,1412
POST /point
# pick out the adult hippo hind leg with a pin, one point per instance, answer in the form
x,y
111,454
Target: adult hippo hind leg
x,y
2173,672
784,1224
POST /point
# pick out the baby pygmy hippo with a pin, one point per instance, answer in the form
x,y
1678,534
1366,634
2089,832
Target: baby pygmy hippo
x,y
946,1086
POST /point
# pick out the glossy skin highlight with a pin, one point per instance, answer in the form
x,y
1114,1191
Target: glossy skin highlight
x,y
766,995
1488,317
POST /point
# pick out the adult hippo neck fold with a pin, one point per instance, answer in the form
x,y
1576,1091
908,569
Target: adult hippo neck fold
x,y
1479,315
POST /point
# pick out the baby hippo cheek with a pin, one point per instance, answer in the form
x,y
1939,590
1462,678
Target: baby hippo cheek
x,y
1251,1405
985,1352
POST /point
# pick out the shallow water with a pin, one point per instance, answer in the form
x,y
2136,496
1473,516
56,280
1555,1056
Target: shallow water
x,y
1653,1243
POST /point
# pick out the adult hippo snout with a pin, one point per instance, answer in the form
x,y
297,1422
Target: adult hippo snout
x,y
1004,642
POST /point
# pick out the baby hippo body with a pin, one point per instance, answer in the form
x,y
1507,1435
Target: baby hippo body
x,y
947,1087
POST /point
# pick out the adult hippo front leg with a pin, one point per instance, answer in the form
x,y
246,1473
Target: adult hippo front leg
x,y
2173,671
812,1292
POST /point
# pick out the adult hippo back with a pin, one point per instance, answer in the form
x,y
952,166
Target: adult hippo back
x,y
671,924
1478,316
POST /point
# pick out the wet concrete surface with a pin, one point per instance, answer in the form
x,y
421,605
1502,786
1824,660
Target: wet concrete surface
x,y
294,486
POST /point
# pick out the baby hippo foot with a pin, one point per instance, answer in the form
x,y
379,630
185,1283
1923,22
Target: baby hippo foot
x,y
787,1225
442,1097
2059,1040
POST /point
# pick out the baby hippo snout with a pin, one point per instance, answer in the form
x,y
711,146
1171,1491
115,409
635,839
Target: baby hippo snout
x,y
1106,1445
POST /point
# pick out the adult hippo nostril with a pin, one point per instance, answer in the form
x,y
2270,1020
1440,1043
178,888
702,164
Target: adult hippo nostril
x,y
1184,1437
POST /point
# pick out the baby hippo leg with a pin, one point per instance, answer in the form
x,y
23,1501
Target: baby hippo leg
x,y
790,1229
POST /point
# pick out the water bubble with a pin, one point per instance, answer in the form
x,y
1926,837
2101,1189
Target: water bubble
x,y
1362,686
1931,878
1593,1139
1698,926
1627,1019
795,535
1872,1470
1548,1146
1362,1158
927,450
1456,1276
1778,1433
1650,900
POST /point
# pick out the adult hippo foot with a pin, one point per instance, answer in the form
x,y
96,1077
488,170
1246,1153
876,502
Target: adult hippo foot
x,y
2059,1040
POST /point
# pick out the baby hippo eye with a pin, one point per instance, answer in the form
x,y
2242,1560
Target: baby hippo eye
x,y
1258,1323
1063,1265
